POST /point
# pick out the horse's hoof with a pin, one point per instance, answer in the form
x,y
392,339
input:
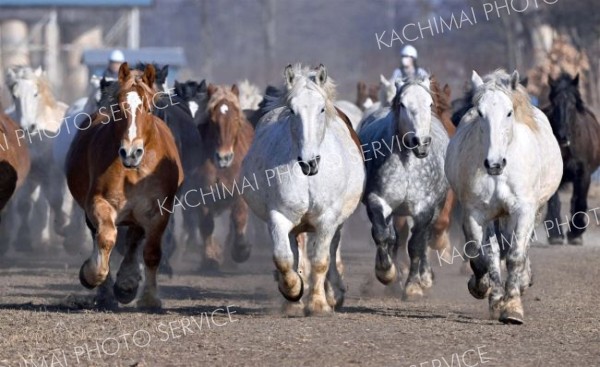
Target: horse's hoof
x,y
555,241
241,253
427,280
511,317
289,295
479,289
210,267
149,303
318,309
385,270
123,294
496,306
105,303
82,278
412,292
293,309
576,241
334,298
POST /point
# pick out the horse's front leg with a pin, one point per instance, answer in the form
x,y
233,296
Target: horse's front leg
x,y
95,269
441,228
579,207
555,236
241,249
382,231
474,226
334,286
319,266
290,283
129,275
54,191
212,254
420,275
517,265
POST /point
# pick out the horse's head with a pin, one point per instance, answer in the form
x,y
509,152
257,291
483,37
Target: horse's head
x,y
566,102
25,86
412,108
160,75
195,96
499,101
225,118
309,102
135,101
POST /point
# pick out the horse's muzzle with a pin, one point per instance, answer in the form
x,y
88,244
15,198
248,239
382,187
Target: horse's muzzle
x,y
311,167
420,147
223,160
496,168
131,158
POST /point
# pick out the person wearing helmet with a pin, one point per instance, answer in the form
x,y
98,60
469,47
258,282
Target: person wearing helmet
x,y
408,64
115,60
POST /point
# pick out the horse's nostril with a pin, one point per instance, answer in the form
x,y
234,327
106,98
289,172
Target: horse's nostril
x,y
486,163
415,141
123,152
139,152
503,162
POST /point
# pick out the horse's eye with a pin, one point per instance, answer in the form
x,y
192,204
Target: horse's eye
x,y
292,111
402,105
431,104
322,109
509,114
480,114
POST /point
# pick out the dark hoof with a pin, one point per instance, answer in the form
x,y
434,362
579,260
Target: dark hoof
x,y
210,267
557,241
298,297
105,304
125,295
82,279
241,253
512,318
479,289
576,241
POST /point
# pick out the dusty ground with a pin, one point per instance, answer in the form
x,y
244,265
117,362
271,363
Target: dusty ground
x,y
447,328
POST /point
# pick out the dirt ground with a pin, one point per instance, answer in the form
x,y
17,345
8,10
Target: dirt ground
x,y
235,320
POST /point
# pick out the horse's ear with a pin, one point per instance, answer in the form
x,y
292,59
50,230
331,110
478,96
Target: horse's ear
x,y
149,75
575,81
202,87
447,91
383,80
399,82
476,80
525,81
321,74
514,80
289,75
165,70
427,83
211,89
235,90
124,72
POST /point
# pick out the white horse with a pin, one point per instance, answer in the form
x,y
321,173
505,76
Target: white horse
x,y
310,177
250,95
39,116
380,109
503,164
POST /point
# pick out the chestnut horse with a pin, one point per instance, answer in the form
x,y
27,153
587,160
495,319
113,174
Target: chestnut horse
x,y
118,171
14,166
226,137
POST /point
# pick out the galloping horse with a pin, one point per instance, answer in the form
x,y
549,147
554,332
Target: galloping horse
x,y
310,176
226,137
578,132
503,164
123,186
407,180
39,116
14,167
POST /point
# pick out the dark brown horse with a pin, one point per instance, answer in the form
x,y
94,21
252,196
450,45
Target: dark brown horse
x,y
118,171
14,164
578,133
226,137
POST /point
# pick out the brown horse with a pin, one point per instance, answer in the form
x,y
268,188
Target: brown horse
x,y
226,137
118,171
442,108
14,165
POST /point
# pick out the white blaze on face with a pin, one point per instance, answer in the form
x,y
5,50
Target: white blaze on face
x,y
133,101
193,108
223,109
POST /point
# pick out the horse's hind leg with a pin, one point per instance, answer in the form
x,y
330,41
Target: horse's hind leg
x,y
420,275
335,289
169,248
581,186
474,228
382,231
129,275
290,283
152,254
240,251
441,237
555,236
95,269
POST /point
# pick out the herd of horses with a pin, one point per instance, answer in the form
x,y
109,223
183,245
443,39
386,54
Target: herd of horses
x,y
134,146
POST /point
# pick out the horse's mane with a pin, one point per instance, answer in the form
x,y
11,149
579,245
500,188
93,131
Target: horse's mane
x,y
564,82
222,93
304,77
500,80
441,102
135,81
